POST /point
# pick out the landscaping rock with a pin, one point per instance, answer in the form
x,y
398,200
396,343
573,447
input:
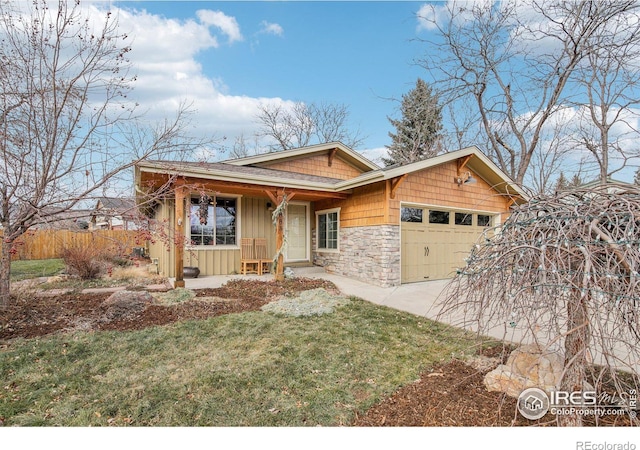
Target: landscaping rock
x,y
125,305
57,278
527,366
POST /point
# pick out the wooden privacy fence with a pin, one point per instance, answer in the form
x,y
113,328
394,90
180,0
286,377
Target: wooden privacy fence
x,y
46,244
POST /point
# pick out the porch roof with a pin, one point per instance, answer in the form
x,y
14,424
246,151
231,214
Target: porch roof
x,y
229,172
253,181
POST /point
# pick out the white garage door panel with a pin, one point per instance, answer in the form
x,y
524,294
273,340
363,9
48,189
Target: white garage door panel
x,y
413,239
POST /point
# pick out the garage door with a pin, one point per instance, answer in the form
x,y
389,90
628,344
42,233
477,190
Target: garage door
x,y
436,241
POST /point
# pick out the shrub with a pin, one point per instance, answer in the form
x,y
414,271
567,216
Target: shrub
x,y
83,261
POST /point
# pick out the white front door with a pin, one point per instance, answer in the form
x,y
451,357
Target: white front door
x,y
297,232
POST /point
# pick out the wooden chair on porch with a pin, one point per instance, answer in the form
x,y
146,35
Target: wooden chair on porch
x,y
262,255
248,258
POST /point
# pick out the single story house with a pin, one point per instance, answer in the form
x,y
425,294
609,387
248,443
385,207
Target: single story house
x,y
387,226
115,213
63,219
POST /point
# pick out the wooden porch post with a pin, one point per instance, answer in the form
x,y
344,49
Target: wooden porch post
x,y
179,236
277,199
279,275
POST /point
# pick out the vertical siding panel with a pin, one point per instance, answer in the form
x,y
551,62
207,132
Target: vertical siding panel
x,y
255,221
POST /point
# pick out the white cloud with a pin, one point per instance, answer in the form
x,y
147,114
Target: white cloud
x,y
271,28
227,24
427,15
375,155
164,59
431,15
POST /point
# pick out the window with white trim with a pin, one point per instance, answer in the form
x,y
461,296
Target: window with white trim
x,y
213,221
328,226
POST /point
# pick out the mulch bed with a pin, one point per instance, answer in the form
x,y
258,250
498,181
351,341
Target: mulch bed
x,y
451,394
31,316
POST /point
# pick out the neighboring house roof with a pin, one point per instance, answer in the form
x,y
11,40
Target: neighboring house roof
x,y
64,219
115,212
116,204
243,170
614,184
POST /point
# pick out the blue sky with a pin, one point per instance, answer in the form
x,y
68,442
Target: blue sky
x,y
236,54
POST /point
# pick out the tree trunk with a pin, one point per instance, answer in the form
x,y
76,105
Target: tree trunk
x,y
5,273
576,346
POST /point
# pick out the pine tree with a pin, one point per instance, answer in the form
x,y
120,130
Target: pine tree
x,y
562,183
417,135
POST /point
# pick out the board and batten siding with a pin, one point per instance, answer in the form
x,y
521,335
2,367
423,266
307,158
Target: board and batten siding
x,y
255,222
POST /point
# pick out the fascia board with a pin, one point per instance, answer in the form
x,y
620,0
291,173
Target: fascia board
x,y
508,182
364,179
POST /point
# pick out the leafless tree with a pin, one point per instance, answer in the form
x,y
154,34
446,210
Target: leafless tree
x,y
304,124
242,147
547,165
516,62
67,127
609,77
564,270
331,123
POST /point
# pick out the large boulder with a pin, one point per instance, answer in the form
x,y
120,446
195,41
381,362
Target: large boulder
x,y
125,305
527,366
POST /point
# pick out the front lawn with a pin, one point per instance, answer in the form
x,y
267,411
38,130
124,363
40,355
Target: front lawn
x,y
23,270
244,369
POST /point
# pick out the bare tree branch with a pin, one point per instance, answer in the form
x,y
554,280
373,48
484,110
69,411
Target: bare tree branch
x,y
563,272
68,130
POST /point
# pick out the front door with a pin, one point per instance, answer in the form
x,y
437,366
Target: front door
x,y
297,232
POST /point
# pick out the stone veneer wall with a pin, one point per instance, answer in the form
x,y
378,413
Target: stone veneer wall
x,y
369,253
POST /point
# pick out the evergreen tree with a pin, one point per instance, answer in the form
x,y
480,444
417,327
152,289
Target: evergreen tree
x,y
562,183
417,135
